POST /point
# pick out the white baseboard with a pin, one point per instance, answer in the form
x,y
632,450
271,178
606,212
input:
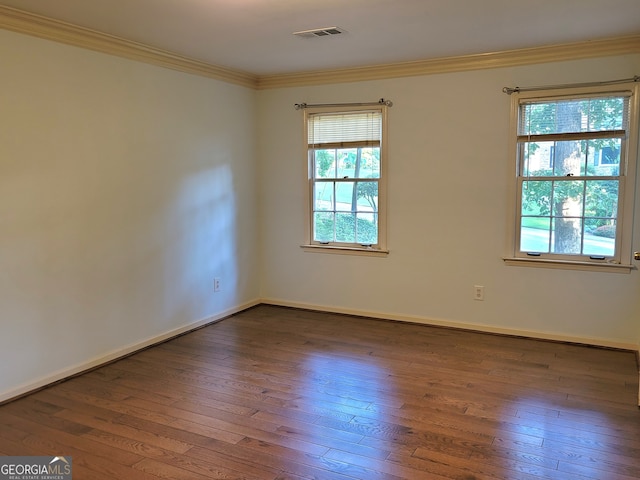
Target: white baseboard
x,y
118,353
541,335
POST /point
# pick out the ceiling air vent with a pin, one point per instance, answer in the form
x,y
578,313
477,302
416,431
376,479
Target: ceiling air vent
x,y
319,32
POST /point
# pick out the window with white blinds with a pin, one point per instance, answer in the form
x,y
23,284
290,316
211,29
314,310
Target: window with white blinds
x,y
346,178
575,158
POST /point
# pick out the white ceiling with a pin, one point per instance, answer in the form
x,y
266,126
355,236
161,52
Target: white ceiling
x,y
255,36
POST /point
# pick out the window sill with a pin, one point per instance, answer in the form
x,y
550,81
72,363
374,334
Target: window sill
x,y
568,265
369,252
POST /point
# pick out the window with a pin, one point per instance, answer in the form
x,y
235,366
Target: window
x,y
575,154
346,179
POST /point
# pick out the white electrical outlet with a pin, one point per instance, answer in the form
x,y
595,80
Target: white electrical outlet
x,y
478,292
216,284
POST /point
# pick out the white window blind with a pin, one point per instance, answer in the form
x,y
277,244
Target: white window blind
x,y
337,130
548,117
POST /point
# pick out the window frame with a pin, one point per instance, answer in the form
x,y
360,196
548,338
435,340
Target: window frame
x,y
310,245
621,261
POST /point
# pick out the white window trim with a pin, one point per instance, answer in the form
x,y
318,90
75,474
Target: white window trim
x,y
380,250
628,183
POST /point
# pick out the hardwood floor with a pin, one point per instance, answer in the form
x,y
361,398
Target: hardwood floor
x,y
278,393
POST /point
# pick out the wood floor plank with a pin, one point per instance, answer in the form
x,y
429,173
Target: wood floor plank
x,y
119,426
382,469
110,468
165,469
301,465
278,393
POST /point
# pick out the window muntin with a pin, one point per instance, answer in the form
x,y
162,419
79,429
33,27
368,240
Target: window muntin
x,y
346,165
573,158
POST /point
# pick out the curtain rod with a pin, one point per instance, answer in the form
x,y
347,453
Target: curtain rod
x,y
510,90
382,101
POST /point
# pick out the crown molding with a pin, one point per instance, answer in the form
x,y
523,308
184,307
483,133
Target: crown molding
x,y
508,58
55,30
43,27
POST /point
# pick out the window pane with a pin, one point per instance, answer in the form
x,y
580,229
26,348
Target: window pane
x,y
370,164
601,210
601,199
323,227
367,228
323,196
346,163
538,158
325,163
604,157
344,197
346,227
566,235
568,159
567,198
367,193
536,197
535,234
599,238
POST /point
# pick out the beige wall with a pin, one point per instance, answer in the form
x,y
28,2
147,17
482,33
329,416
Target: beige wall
x,y
124,190
448,178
